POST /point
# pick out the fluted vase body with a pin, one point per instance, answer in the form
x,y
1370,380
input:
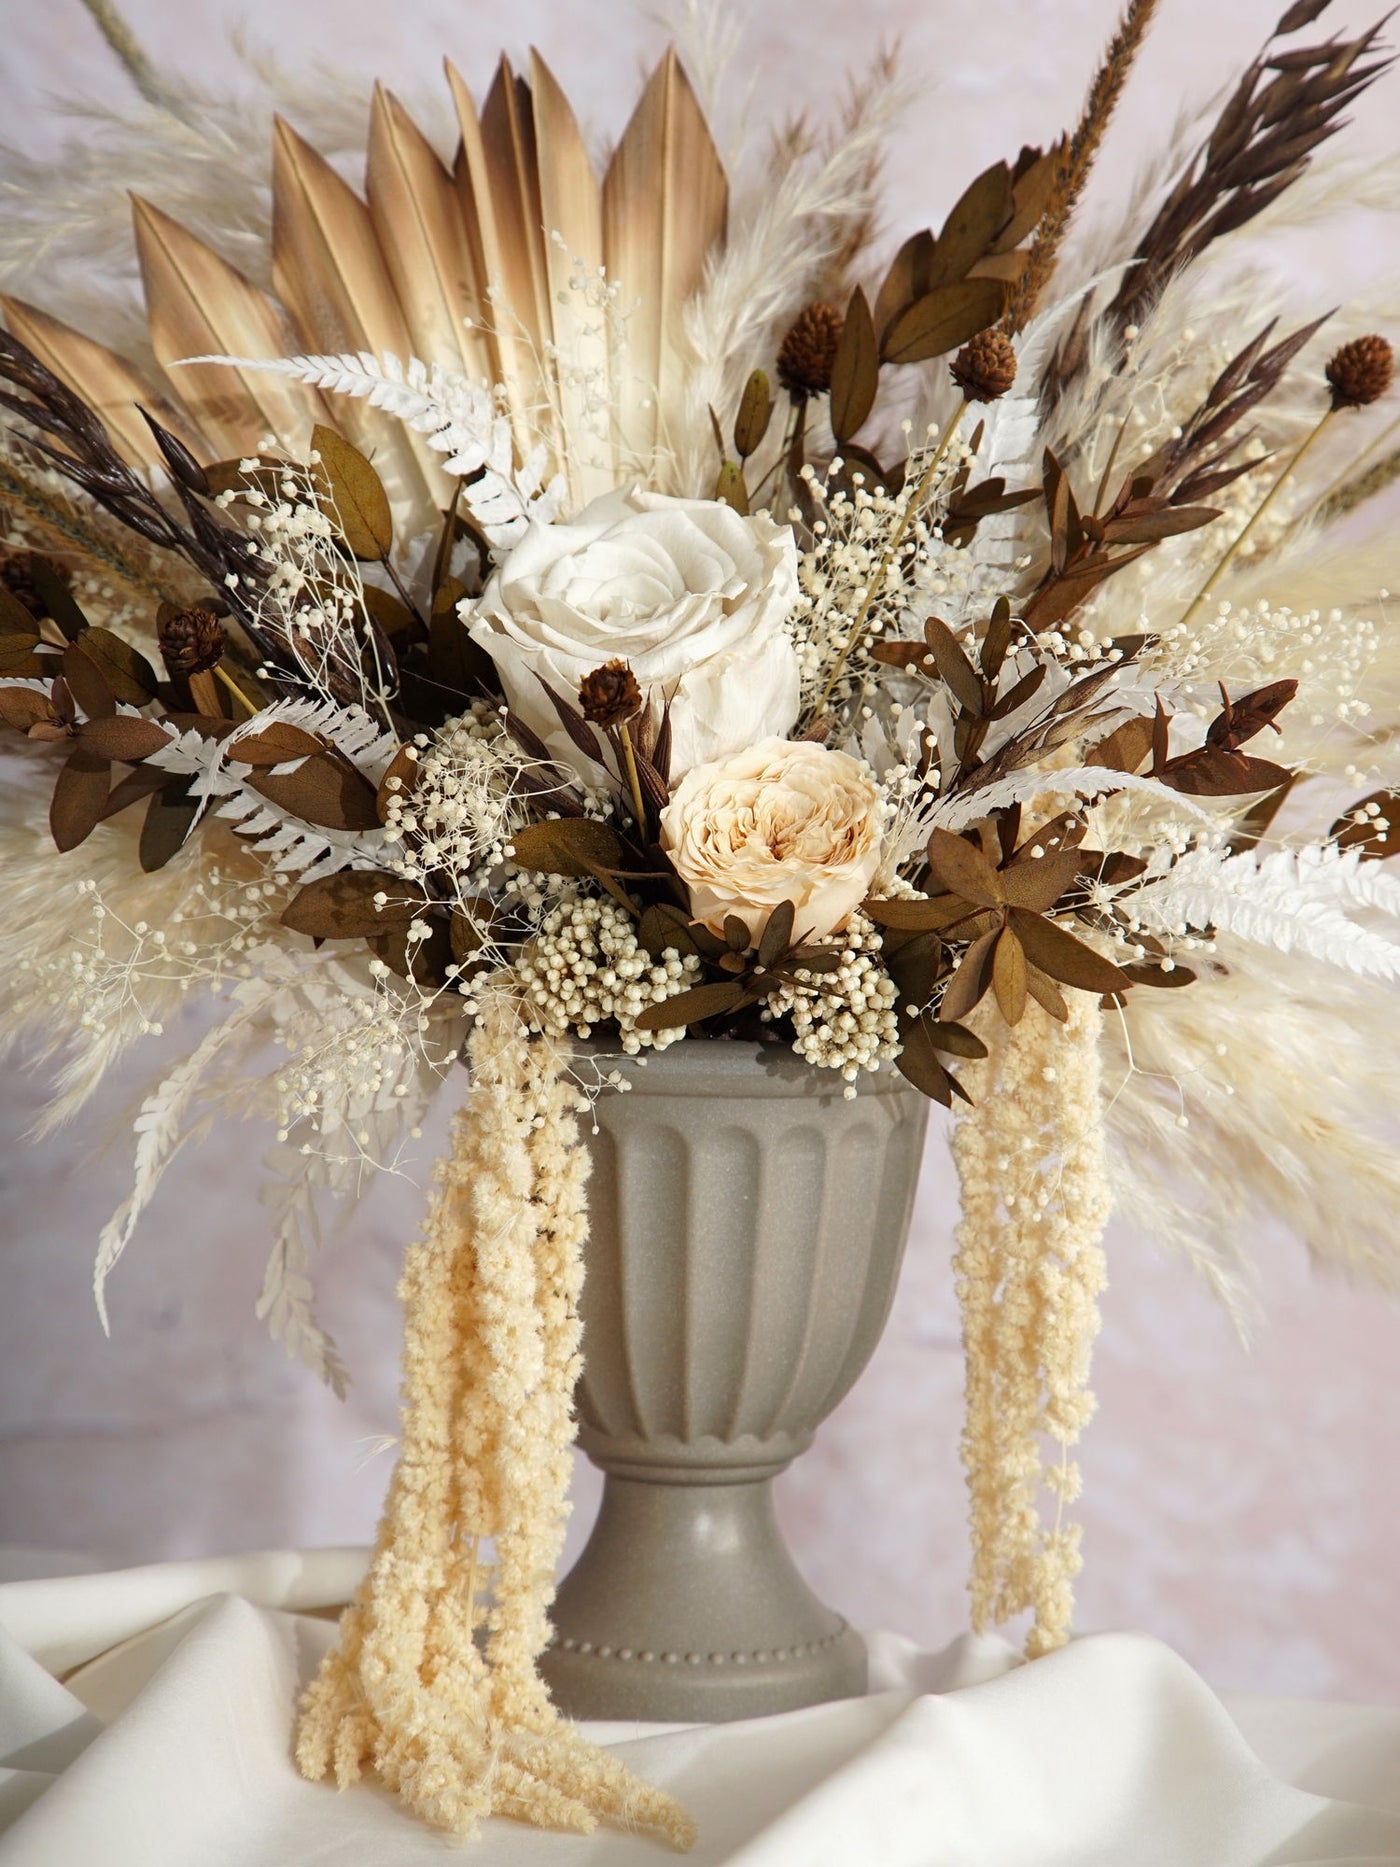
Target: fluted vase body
x,y
746,1230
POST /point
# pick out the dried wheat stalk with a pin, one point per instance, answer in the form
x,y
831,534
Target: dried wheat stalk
x,y
1083,147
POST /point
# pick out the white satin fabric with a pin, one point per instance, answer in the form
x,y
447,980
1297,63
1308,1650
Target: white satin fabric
x,y
167,1745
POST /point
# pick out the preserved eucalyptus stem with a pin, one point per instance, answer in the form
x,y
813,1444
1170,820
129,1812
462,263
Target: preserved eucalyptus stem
x,y
1232,551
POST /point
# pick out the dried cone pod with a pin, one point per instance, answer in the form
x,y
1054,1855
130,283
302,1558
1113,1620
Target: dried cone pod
x,y
609,696
808,352
985,367
1361,372
17,574
192,641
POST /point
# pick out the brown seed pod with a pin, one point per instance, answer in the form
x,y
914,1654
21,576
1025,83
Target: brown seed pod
x,y
1361,371
985,367
609,696
192,641
808,351
17,574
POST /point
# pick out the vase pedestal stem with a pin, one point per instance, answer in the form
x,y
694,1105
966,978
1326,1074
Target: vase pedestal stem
x,y
685,1604
746,1225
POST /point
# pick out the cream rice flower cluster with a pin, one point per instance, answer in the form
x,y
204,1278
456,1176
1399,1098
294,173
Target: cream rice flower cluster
x,y
585,966
777,822
845,1020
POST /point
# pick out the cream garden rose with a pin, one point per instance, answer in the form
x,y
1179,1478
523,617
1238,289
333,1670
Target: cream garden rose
x,y
688,592
776,822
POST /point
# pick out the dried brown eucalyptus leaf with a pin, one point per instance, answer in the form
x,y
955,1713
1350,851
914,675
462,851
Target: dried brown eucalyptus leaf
x,y
1009,976
968,985
392,614
79,797
346,906
693,1007
908,279
755,413
943,319
1210,771
730,489
1126,746
777,935
324,791
88,684
1063,957
978,218
352,496
1046,993
964,870
168,821
919,1063
567,846
125,669
17,657
855,372
1037,884
276,744
124,737
915,914
22,707
954,668
15,619
956,1039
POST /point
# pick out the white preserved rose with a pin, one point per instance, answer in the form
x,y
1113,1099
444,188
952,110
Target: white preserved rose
x,y
777,822
691,594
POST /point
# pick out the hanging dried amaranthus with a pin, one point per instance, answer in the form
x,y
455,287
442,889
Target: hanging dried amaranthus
x,y
1029,1272
491,1334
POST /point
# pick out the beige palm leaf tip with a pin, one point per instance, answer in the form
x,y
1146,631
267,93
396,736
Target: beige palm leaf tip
x,y
519,267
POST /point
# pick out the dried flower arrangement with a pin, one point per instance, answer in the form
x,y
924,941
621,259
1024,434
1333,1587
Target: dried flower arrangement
x,y
565,606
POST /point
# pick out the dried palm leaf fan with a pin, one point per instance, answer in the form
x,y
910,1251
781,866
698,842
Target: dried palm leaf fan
x,y
516,268
493,269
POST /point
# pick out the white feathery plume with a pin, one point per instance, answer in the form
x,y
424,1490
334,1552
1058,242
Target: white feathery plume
x,y
1258,1095
78,1023
708,35
783,234
200,155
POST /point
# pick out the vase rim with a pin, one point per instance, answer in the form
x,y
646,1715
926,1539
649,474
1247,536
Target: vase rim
x,y
727,1066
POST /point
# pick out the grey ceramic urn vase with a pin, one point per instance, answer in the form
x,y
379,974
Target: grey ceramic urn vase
x,y
746,1231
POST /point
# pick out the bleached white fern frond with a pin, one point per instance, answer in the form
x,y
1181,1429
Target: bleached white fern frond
x,y
460,419
1085,782
286,1302
165,1123
1294,900
293,847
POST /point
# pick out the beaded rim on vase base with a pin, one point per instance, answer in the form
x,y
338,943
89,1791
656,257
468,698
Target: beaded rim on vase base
x,y
747,1228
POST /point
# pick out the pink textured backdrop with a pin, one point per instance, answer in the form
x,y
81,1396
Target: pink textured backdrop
x,y
1241,1505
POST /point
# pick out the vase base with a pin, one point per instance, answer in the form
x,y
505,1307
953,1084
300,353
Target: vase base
x,y
702,1688
686,1607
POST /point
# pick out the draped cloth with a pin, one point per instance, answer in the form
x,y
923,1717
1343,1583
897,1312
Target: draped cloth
x,y
146,1721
